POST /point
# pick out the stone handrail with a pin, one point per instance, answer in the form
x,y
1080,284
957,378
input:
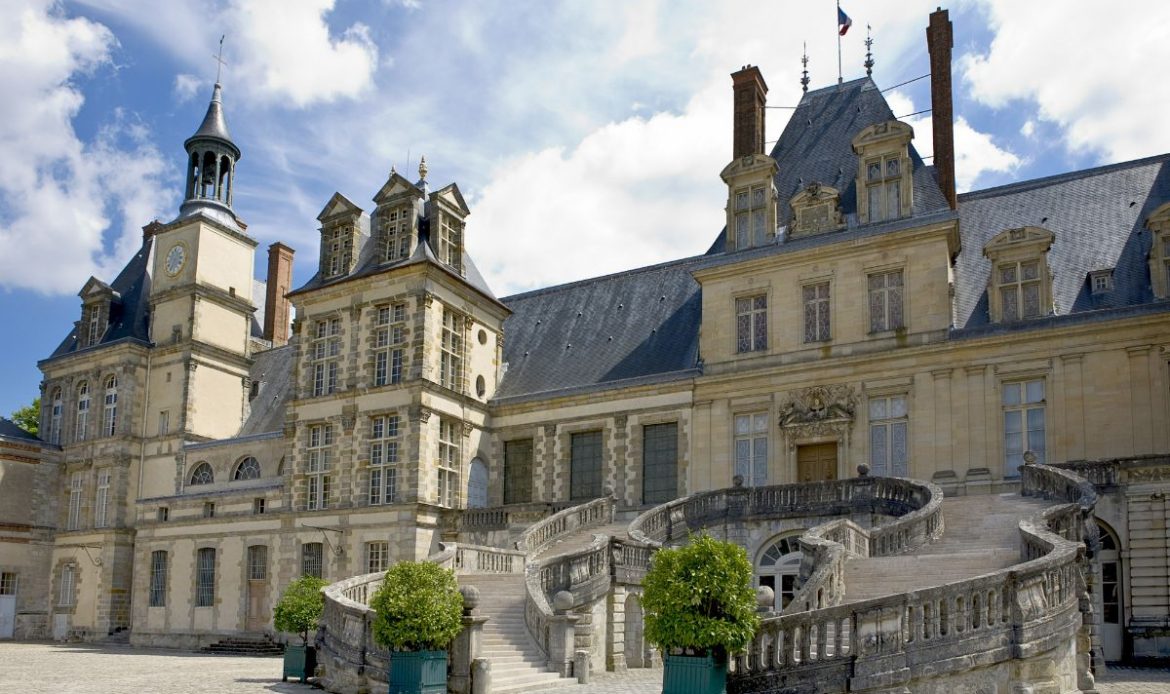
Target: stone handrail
x,y
1016,612
502,517
477,559
565,522
1111,473
824,550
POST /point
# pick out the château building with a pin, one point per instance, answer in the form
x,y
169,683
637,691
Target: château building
x,y
200,449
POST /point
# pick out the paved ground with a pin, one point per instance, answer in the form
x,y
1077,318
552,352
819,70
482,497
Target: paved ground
x,y
41,668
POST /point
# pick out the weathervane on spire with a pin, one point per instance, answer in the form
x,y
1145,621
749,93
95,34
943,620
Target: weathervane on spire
x,y
868,51
804,73
219,59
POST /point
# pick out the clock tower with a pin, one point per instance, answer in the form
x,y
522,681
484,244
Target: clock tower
x,y
201,296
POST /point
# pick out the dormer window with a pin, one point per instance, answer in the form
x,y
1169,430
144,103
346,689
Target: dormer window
x,y
1159,224
396,228
1101,281
1020,287
95,324
340,231
815,209
451,241
338,253
884,184
751,216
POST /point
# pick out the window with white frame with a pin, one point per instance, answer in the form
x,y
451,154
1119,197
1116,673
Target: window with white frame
x,y
389,344
158,578
751,217
101,502
885,301
751,323
76,488
450,434
888,445
377,556
883,183
7,583
205,577
55,417
383,459
1023,423
202,474
258,563
313,559
248,469
95,324
451,241
451,357
326,352
816,311
110,410
751,448
396,232
81,430
1101,281
337,249
65,590
1020,290
319,454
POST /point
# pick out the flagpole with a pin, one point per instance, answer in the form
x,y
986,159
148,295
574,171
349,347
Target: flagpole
x,y
840,78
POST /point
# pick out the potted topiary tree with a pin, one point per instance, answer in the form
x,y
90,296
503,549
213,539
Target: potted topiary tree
x,y
419,612
700,608
297,613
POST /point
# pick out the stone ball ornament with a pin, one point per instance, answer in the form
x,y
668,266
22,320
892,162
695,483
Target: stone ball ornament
x,y
765,597
562,601
470,598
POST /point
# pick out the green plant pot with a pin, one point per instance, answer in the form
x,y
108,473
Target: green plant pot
x,y
694,674
418,672
299,662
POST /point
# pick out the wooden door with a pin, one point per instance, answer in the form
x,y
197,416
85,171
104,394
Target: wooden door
x,y
816,462
257,617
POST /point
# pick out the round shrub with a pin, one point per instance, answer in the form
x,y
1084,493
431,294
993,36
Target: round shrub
x,y
418,607
698,598
300,607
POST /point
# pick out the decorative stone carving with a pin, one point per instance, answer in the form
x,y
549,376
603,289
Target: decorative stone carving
x,y
819,411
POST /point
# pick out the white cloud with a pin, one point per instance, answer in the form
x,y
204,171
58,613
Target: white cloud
x,y
186,87
1028,129
1093,69
59,195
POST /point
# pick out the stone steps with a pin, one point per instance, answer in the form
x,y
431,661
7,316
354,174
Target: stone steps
x,y
259,647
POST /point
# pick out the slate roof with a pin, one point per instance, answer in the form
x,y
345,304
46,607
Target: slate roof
x,y
621,329
9,430
214,124
272,369
128,313
1098,217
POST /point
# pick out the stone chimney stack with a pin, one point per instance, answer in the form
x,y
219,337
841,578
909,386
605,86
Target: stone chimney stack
x,y
939,41
750,92
276,305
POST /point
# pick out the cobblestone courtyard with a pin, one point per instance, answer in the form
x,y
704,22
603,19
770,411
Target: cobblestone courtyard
x,y
41,668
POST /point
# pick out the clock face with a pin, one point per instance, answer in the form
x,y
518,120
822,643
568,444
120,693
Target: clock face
x,y
175,258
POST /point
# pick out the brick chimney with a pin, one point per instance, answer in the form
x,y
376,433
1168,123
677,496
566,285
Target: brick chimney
x,y
750,92
939,42
276,305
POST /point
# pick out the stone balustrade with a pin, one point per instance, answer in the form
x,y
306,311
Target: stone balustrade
x,y
591,514
477,559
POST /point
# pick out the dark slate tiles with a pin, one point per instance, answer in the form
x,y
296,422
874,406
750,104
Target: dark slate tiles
x,y
272,370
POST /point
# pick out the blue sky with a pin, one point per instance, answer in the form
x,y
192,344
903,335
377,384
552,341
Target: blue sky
x,y
594,126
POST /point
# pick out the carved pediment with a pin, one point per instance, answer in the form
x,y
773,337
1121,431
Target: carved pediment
x,y
396,186
338,206
1159,219
95,290
819,404
1022,237
879,135
753,164
815,209
452,197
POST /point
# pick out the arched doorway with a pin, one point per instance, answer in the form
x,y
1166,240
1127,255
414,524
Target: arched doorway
x,y
1112,595
477,484
779,568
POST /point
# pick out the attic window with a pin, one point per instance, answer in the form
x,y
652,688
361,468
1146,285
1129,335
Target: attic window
x,y
1159,223
1101,281
396,233
451,241
816,209
1020,285
336,250
95,321
884,183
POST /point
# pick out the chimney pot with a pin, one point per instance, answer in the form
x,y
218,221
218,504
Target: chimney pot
x,y
276,304
939,42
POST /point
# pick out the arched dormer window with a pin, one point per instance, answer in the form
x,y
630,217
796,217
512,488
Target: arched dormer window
x,y
885,187
55,409
1020,285
81,428
247,469
110,408
1159,224
202,474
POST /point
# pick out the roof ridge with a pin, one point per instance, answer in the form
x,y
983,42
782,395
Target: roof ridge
x,y
1051,179
848,83
600,278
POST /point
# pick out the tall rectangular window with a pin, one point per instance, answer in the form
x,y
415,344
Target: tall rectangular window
x,y
76,487
883,183
451,357
585,466
319,454
158,578
888,421
81,430
101,502
1023,423
110,410
816,312
389,344
326,353
313,559
751,217
383,458
449,438
258,563
55,418
450,241
1019,290
396,230
659,463
377,556
751,448
68,582
518,471
205,577
885,301
751,323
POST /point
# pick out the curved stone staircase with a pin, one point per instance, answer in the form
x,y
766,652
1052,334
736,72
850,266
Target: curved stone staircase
x,y
517,663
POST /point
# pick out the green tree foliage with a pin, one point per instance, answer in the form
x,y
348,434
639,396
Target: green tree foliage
x,y
699,598
29,417
419,607
300,607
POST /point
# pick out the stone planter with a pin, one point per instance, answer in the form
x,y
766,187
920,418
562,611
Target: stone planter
x,y
299,662
694,674
418,672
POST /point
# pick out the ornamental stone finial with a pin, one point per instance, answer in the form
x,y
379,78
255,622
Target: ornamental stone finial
x,y
422,168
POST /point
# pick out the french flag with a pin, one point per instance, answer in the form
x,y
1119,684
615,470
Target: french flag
x,y
843,21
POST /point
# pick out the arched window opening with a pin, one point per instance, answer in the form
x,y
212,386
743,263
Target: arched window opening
x,y
779,568
477,485
248,469
225,172
207,176
110,411
82,425
1112,597
202,474
55,417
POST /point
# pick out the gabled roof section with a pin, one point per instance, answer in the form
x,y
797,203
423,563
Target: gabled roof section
x,y
396,185
271,374
96,288
617,330
1097,218
452,196
9,430
338,206
128,316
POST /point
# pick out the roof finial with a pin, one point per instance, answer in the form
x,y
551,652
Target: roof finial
x,y
422,168
868,52
804,74
219,59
